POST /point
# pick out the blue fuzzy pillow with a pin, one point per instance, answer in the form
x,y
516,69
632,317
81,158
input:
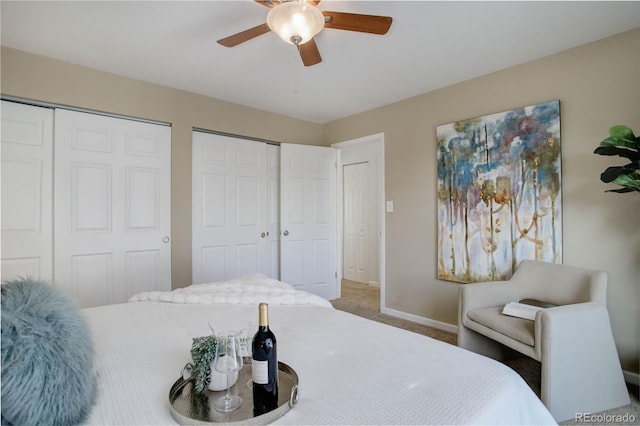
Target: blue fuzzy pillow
x,y
47,357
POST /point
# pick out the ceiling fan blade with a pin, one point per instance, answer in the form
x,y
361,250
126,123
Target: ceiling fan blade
x,y
355,22
245,35
273,3
309,53
268,3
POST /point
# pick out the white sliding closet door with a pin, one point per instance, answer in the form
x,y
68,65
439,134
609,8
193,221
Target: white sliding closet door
x,y
308,195
27,151
112,207
229,207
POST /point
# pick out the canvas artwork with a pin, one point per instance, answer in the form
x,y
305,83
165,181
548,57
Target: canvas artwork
x,y
499,193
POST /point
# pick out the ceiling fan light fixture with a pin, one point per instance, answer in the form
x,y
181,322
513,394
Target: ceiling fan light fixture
x,y
295,22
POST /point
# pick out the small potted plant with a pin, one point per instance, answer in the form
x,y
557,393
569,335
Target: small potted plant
x,y
203,351
623,143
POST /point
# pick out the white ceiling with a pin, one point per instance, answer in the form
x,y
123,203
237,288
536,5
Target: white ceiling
x,y
430,45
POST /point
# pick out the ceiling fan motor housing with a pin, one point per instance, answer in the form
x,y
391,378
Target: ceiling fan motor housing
x,y
295,22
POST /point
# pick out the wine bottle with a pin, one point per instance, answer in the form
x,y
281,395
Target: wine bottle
x,y
264,365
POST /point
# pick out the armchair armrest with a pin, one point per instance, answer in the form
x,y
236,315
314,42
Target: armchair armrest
x,y
488,294
579,328
579,336
559,327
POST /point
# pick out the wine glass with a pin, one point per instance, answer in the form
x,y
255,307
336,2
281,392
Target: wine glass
x,y
248,339
228,359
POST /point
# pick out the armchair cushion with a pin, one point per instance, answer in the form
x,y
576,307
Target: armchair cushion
x,y
519,329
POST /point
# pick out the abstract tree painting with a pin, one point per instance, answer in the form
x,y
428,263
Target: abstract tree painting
x,y
499,193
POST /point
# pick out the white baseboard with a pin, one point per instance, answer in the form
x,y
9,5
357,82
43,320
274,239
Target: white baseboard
x,y
374,284
631,377
421,320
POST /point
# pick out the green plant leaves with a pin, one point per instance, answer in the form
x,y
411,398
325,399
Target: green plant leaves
x,y
621,131
631,180
622,143
622,152
620,190
203,350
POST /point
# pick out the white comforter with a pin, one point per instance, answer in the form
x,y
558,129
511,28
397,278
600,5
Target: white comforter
x,y
351,370
249,289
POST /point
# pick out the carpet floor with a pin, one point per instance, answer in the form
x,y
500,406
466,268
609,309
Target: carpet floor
x,y
364,300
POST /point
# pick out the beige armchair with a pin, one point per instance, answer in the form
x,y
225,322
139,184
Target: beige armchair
x,y
581,371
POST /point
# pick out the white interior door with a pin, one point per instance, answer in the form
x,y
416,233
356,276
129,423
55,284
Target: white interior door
x,y
112,207
349,226
356,246
27,158
229,219
309,218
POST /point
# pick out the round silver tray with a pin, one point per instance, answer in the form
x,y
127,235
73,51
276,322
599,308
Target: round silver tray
x,y
190,408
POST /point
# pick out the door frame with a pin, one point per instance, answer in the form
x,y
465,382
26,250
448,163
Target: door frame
x,y
377,141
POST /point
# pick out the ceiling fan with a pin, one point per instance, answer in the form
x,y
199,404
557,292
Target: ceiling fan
x,y
298,21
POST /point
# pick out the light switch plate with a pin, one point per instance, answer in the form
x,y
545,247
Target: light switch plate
x,y
389,206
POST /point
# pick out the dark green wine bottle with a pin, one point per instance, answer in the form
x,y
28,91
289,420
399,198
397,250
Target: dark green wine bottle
x,y
264,365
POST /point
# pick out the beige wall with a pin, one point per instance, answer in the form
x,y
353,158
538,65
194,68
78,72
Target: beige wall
x,y
42,79
598,85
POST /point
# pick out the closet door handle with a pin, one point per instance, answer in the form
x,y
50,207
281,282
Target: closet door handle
x,y
264,234
165,239
285,233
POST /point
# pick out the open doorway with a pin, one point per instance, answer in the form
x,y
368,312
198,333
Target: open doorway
x,y
362,201
359,299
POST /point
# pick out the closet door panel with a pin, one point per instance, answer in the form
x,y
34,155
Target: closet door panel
x,y
229,224
248,211
213,196
91,197
142,268
215,259
91,278
27,167
142,202
21,191
112,207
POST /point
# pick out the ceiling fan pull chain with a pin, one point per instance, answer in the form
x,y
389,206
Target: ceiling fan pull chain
x,y
296,89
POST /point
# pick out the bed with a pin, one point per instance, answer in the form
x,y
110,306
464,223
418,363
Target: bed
x,y
351,370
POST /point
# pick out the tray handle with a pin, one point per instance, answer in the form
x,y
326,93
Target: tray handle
x,y
182,381
293,398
